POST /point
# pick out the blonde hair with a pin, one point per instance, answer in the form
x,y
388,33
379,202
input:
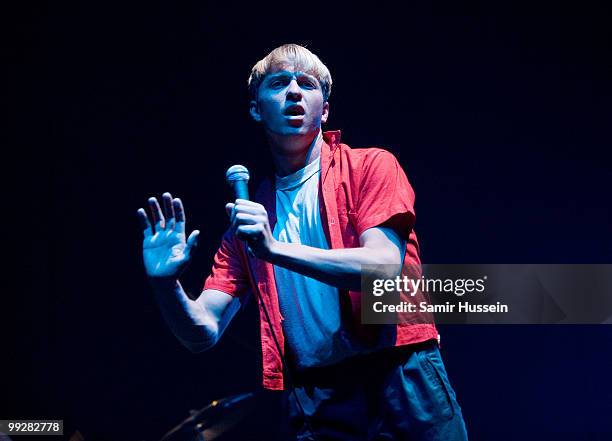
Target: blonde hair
x,y
292,55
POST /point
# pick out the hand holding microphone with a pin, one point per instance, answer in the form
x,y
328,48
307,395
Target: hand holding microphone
x,y
248,219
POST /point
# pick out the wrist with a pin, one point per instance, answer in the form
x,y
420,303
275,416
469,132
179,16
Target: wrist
x,y
274,251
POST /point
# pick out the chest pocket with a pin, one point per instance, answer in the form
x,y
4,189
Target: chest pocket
x,y
347,215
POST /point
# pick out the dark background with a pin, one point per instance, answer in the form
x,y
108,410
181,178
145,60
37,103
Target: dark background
x,y
499,114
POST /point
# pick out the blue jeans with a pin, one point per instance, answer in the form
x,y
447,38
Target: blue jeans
x,y
397,394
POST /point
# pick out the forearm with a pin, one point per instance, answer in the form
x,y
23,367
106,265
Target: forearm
x,y
188,320
337,267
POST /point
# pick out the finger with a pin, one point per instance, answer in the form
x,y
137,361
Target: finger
x,y
168,209
144,222
156,214
246,202
179,215
246,219
251,209
249,232
192,242
179,211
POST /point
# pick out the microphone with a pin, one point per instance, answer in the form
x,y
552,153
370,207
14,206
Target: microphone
x,y
237,177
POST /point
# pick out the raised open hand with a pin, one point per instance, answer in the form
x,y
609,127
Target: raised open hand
x,y
165,251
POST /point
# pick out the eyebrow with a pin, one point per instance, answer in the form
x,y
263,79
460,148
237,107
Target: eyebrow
x,y
289,74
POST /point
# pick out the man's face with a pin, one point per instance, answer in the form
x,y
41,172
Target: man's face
x,y
290,102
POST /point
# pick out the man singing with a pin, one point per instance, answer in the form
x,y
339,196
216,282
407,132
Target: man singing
x,y
329,210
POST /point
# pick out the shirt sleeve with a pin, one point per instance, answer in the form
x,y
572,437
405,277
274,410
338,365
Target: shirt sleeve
x,y
385,196
229,273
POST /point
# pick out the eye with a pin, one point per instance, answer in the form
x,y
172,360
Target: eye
x,y
308,84
277,83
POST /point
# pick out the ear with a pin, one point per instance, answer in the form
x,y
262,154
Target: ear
x,y
325,113
254,111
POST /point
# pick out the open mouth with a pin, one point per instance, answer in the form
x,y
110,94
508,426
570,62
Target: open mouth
x,y
294,110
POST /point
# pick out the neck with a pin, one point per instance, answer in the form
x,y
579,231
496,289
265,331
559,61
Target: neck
x,y
292,153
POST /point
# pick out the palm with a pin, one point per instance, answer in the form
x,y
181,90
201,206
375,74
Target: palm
x,y
164,253
165,249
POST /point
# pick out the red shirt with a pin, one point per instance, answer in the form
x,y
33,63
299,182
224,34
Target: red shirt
x,y
358,189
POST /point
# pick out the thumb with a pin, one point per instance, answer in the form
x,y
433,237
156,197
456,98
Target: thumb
x,y
228,208
192,241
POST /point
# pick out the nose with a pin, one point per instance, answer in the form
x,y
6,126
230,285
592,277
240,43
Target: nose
x,y
294,93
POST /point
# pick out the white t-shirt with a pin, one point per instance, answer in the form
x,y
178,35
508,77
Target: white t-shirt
x,y
311,309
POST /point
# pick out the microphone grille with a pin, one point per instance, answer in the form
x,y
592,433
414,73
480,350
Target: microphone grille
x,y
237,173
